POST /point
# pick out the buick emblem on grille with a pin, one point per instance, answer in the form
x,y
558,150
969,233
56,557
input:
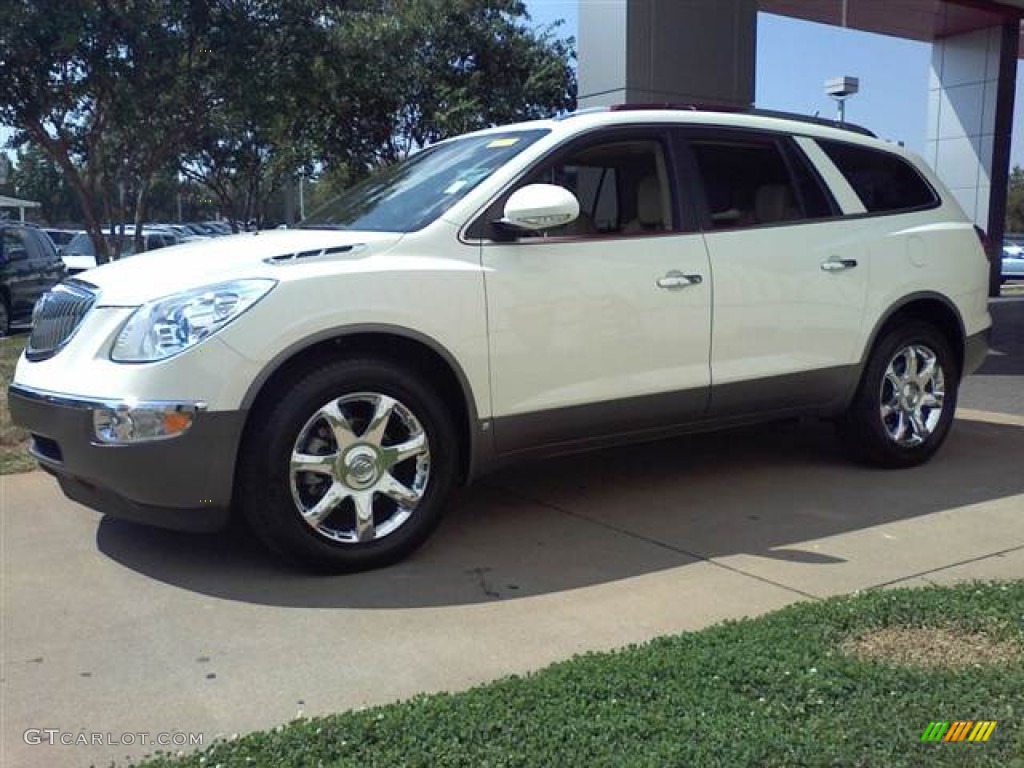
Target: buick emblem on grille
x,y
56,317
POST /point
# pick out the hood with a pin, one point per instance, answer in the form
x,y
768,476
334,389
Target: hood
x,y
137,279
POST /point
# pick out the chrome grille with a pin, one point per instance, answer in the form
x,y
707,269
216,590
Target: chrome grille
x,y
56,317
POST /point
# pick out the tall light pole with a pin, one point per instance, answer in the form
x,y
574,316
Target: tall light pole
x,y
840,89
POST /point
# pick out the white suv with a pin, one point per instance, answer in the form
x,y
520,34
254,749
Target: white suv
x,y
611,276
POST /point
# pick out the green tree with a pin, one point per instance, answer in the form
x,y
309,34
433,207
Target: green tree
x,y
37,177
106,89
254,136
401,75
242,95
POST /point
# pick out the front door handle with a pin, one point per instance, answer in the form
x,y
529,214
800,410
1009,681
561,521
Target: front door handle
x,y
675,280
835,264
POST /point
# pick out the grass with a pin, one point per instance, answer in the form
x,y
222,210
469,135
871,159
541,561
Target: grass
x,y
774,691
14,456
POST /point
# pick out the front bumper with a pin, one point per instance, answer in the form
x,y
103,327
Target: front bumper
x,y
184,482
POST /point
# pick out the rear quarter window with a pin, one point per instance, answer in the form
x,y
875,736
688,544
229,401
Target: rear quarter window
x,y
884,182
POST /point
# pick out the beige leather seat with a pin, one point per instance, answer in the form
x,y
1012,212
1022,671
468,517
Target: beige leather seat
x,y
774,203
649,216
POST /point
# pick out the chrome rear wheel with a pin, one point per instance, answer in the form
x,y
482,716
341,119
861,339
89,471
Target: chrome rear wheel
x,y
904,404
912,396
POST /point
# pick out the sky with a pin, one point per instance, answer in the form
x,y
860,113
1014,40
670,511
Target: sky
x,y
795,58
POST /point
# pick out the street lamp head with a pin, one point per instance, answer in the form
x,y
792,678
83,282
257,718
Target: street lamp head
x,y
842,87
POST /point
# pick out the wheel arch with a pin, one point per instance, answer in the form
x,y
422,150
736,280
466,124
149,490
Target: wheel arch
x,y
929,306
402,345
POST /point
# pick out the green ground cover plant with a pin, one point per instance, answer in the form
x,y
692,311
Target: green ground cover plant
x,y
815,684
14,456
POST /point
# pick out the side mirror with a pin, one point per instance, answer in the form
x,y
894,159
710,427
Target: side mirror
x,y
540,206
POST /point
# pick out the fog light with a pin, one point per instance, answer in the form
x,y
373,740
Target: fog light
x,y
142,422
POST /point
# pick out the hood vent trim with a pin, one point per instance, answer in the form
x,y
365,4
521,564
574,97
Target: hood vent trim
x,y
288,258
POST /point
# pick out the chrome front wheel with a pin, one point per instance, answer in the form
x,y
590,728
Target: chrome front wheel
x,y
347,467
360,467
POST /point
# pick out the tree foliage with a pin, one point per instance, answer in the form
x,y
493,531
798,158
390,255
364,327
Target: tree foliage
x,y
37,177
240,96
256,134
105,89
406,74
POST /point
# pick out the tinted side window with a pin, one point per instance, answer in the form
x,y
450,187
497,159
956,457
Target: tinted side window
x,y
747,183
884,182
622,187
815,197
597,191
13,245
41,249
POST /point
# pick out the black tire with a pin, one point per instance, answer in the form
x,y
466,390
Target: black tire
x,y
871,437
265,478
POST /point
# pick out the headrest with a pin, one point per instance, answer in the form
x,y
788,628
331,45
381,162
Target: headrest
x,y
772,203
648,201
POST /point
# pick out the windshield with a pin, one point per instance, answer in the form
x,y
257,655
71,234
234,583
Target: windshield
x,y
409,195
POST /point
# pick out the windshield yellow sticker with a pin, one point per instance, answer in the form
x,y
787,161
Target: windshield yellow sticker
x,y
507,142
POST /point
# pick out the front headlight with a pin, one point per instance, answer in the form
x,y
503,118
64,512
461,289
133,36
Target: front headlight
x,y
167,326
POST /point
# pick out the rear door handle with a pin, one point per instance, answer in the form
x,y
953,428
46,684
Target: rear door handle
x,y
835,264
676,280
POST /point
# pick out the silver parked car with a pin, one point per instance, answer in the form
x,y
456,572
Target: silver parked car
x,y
1013,257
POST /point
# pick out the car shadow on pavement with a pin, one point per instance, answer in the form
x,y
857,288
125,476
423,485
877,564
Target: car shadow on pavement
x,y
578,521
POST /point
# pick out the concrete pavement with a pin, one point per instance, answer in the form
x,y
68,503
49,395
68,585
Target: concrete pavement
x,y
115,629
999,384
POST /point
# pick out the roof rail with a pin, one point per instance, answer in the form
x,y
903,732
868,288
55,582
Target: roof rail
x,y
578,112
739,110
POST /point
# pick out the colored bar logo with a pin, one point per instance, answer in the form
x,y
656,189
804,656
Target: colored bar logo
x,y
959,730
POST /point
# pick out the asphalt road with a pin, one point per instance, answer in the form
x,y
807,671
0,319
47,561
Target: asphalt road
x,y
999,383
113,629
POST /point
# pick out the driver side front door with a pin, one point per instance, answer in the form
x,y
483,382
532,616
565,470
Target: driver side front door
x,y
601,328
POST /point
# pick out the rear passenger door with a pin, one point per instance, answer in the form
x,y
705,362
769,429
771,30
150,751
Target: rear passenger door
x,y
790,279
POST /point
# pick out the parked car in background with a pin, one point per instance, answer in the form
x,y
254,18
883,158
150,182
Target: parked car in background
x,y
1013,257
221,227
61,237
184,233
29,267
202,228
80,255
